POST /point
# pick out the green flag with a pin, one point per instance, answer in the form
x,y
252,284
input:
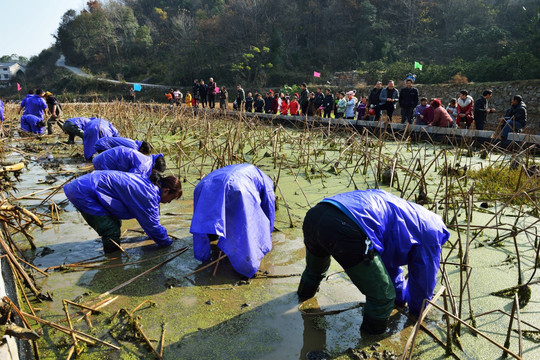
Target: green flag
x,y
417,65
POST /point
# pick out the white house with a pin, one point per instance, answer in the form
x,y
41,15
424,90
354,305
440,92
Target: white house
x,y
9,70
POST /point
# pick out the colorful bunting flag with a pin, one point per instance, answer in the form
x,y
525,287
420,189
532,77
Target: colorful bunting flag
x,y
417,65
137,87
316,74
19,87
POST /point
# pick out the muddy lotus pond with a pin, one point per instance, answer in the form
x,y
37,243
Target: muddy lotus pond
x,y
486,195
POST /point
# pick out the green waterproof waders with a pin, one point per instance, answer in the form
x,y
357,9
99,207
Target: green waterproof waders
x,y
107,227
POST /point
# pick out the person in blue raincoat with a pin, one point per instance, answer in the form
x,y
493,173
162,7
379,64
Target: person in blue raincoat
x,y
371,234
75,127
34,104
33,124
96,129
1,110
130,160
237,205
107,143
104,198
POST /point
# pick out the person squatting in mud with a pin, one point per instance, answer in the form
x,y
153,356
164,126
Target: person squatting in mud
x,y
371,234
106,197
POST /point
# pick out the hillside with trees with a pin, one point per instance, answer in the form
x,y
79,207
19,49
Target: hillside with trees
x,y
262,42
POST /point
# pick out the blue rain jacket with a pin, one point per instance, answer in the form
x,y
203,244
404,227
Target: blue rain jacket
x,y
403,233
1,110
107,143
125,159
122,196
96,129
30,123
33,105
237,203
79,122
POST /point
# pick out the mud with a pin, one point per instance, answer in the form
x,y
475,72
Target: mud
x,y
228,317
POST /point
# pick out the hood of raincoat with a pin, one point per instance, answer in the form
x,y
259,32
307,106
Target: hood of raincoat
x,y
125,159
237,203
107,143
96,129
80,122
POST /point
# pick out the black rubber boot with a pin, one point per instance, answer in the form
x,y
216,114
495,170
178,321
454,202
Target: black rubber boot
x,y
306,291
373,326
108,246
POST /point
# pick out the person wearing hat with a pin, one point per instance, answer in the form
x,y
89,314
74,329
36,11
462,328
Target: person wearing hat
x,y
371,234
54,110
441,117
349,107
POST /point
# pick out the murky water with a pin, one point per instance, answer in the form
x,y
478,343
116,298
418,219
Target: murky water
x,y
225,317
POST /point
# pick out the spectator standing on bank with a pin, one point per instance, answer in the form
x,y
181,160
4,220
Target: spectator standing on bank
x,y
284,106
212,93
223,98
328,103
304,98
388,99
132,94
373,100
268,101
481,109
203,93
319,100
195,93
341,105
294,106
465,105
350,106
408,99
259,104
249,102
240,98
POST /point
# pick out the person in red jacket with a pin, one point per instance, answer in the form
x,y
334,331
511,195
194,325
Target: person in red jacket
x,y
294,106
284,106
441,117
465,107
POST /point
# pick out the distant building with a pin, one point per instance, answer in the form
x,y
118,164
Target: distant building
x,y
10,70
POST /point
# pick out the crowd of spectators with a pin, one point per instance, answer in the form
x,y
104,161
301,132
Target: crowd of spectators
x,y
460,112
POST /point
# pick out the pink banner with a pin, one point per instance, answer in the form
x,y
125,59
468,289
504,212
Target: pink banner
x,y
19,88
316,74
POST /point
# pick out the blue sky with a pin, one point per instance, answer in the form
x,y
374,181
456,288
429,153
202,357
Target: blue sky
x,y
27,26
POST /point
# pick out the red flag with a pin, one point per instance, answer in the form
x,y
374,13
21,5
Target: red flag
x,y
19,88
316,74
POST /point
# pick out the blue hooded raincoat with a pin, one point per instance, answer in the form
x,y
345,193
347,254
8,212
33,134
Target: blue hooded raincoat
x,y
34,105
122,196
79,122
1,110
403,233
30,123
95,130
107,143
237,203
125,159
